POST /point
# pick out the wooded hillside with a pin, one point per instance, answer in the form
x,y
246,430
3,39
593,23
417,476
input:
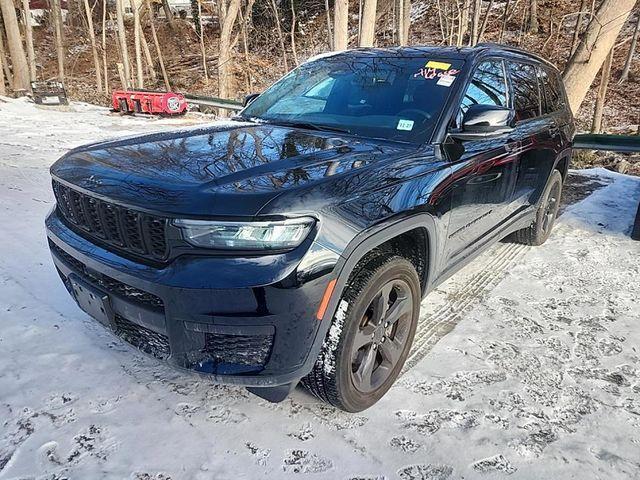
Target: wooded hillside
x,y
233,47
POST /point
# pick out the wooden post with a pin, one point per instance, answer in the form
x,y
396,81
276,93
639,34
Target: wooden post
x,y
596,126
28,37
156,43
94,48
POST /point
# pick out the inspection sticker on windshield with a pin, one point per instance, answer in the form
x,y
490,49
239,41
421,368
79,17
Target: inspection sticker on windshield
x,y
405,124
445,80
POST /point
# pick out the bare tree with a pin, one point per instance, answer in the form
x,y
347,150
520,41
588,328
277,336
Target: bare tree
x,y
203,50
4,58
56,13
624,76
485,21
14,41
504,21
578,27
533,24
329,30
368,24
104,47
341,25
122,41
168,13
464,22
156,43
228,14
3,89
137,44
475,22
293,32
28,39
402,20
596,126
598,39
274,7
94,48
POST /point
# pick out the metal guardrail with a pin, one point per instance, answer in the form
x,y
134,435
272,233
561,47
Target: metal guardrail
x,y
612,143
213,102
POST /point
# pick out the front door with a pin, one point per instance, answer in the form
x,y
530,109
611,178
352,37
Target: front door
x,y
486,172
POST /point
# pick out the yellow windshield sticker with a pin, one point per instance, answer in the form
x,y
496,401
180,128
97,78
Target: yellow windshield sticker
x,y
438,65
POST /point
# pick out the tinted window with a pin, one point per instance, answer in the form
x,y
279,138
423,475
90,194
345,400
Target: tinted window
x,y
551,88
526,95
385,97
488,86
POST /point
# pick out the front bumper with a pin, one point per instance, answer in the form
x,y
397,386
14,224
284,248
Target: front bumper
x,y
245,321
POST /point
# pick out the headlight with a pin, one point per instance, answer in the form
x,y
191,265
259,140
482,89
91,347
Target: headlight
x,y
276,235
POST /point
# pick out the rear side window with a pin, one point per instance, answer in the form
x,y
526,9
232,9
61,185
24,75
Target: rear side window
x,y
488,86
552,94
526,94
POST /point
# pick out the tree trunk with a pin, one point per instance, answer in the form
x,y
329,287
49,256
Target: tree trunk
x,y
156,43
368,26
104,47
229,10
596,126
596,44
56,13
28,37
5,59
244,19
18,57
533,25
624,76
274,7
3,89
504,21
475,22
578,27
485,20
137,44
122,41
402,21
329,30
94,48
464,22
341,25
203,50
293,33
168,14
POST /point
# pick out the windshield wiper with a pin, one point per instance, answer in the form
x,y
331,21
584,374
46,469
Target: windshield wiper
x,y
311,126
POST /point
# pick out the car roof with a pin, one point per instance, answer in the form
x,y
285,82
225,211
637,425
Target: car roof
x,y
463,53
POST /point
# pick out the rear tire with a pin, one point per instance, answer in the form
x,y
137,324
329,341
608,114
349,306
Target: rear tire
x,y
540,229
370,336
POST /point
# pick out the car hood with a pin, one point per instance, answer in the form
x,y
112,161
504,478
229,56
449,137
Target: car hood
x,y
220,170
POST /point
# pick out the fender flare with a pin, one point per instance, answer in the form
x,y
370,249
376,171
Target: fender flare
x,y
355,251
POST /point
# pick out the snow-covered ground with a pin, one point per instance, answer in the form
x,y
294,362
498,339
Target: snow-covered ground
x,y
526,363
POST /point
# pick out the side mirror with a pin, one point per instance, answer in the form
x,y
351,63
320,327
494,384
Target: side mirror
x,y
485,121
250,98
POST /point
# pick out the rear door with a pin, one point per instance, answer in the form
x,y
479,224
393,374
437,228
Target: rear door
x,y
486,171
537,129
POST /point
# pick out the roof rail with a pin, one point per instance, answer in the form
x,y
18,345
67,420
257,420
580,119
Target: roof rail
x,y
509,48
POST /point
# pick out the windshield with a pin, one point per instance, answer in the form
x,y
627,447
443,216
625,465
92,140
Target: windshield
x,y
382,97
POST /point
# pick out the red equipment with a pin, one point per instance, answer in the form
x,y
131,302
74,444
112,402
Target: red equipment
x,y
153,103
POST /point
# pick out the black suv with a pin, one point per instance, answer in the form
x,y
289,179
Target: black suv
x,y
296,242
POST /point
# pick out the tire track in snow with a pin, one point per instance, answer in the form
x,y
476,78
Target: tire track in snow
x,y
433,327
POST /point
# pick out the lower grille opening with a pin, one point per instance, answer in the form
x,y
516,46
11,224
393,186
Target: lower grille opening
x,y
142,338
111,285
232,354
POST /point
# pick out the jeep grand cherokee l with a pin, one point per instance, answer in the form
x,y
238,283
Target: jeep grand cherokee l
x,y
297,243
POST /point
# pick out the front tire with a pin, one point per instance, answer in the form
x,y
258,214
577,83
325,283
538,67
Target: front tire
x,y
370,336
540,229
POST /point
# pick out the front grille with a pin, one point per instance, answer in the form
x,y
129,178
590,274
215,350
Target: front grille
x,y
110,285
245,350
116,227
142,338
